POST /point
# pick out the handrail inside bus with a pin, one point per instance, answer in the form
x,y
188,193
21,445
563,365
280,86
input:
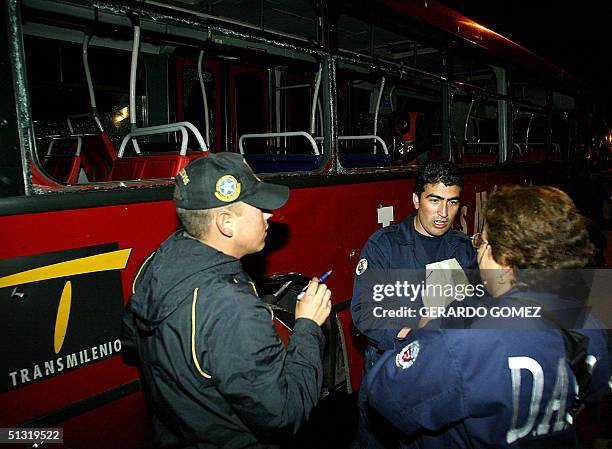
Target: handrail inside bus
x,y
315,96
518,147
380,94
133,73
77,137
364,137
162,129
91,115
283,134
204,97
150,130
531,116
467,119
92,94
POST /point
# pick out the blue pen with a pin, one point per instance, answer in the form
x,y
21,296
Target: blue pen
x,y
324,276
321,279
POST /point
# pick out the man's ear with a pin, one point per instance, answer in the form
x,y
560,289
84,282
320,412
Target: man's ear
x,y
224,221
415,200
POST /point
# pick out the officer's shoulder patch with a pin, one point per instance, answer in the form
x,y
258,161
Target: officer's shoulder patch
x,y
362,265
407,356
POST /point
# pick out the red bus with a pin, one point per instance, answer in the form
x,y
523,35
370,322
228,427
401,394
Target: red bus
x,y
103,103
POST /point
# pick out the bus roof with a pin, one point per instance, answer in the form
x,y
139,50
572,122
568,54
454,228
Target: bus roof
x,y
450,21
430,12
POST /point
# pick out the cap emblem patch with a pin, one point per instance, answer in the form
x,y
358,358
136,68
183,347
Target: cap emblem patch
x,y
184,177
408,355
227,189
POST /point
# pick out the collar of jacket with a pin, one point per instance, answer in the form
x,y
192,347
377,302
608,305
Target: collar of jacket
x,y
168,278
210,256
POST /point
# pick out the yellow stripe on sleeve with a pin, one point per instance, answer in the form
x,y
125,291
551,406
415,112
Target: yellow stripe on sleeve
x,y
193,331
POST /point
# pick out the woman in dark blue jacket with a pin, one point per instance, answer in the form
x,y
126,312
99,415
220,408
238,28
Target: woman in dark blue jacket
x,y
513,375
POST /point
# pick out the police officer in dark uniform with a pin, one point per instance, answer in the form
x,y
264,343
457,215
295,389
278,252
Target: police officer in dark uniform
x,y
424,237
214,371
501,382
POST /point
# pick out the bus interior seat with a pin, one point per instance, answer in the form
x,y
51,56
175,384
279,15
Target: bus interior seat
x,y
150,166
66,163
274,160
99,154
359,160
155,165
273,163
192,155
64,168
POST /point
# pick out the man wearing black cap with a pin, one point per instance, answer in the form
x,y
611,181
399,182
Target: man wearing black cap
x,y
214,372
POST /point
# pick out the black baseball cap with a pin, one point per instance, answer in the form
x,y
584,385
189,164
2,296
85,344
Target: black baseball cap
x,y
224,178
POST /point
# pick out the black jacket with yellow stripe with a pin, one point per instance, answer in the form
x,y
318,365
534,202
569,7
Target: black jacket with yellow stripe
x,y
213,370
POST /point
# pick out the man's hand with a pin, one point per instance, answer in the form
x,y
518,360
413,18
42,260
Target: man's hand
x,y
316,303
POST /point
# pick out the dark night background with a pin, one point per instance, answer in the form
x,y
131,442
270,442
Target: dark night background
x,y
576,36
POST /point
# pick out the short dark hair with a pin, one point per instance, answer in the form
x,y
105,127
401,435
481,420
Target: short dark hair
x,y
197,222
434,172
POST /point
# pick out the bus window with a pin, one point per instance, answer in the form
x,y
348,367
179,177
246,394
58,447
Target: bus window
x,y
529,135
392,44
276,114
295,18
262,101
563,125
529,123
475,111
385,119
527,93
72,145
475,136
474,73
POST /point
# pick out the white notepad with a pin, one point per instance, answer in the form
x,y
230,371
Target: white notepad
x,y
439,276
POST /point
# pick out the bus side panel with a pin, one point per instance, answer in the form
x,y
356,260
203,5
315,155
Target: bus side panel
x,y
92,256
65,276
327,228
120,424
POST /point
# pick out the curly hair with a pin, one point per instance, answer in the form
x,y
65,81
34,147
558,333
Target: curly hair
x,y
434,172
537,227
